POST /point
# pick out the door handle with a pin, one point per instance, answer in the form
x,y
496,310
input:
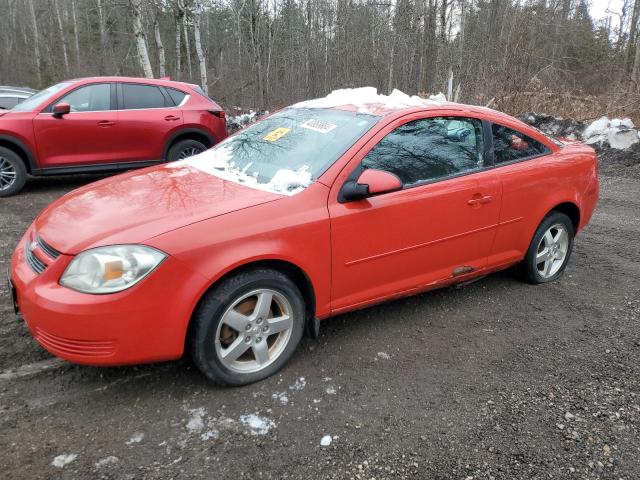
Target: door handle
x,y
106,123
171,118
479,200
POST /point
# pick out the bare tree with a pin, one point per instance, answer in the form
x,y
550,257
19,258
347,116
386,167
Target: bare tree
x,y
36,42
202,62
162,62
141,40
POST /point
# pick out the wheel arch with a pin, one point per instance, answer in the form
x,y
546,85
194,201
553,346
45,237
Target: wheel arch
x,y
295,273
21,150
197,134
571,210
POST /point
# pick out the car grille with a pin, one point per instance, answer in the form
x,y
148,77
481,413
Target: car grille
x,y
34,262
46,248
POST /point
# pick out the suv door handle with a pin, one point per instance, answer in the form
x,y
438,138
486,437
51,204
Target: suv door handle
x,y
479,200
171,118
106,123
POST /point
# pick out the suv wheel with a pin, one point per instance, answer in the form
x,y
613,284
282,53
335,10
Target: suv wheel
x,y
247,327
13,174
185,149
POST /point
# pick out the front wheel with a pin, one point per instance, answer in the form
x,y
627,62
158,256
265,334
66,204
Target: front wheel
x,y
550,249
247,328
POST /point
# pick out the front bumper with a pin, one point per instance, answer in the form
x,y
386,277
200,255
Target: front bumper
x,y
145,323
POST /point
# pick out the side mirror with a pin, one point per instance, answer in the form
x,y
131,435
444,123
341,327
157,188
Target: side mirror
x,y
370,182
60,109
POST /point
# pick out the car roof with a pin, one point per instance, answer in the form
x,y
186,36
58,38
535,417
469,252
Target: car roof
x,y
5,89
150,81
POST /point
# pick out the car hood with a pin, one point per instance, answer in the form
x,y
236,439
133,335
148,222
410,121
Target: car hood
x,y
136,206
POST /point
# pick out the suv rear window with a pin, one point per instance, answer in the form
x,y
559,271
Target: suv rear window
x,y
141,96
176,95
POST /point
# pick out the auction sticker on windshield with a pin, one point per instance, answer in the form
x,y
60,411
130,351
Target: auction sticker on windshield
x,y
276,134
318,126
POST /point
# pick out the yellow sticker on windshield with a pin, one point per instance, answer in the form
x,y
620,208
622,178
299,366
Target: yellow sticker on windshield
x,y
276,134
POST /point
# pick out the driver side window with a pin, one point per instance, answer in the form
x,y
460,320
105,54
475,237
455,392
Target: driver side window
x,y
90,98
429,149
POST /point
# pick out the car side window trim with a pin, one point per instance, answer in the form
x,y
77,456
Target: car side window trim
x,y
112,103
547,150
159,87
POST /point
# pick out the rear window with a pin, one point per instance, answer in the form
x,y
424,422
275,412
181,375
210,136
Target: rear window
x,y
176,95
141,96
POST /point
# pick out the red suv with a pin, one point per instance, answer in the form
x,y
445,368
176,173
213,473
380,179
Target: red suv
x,y
105,124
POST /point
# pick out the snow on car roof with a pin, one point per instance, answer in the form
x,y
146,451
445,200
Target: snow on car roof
x,y
368,100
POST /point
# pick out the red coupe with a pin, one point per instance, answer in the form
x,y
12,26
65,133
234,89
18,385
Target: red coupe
x,y
324,207
105,124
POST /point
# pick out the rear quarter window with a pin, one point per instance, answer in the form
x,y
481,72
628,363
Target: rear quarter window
x,y
510,145
176,95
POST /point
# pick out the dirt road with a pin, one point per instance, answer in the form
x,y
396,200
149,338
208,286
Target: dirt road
x,y
497,379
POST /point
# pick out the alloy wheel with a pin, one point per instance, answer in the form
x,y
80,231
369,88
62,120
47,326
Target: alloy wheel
x,y
8,173
254,331
552,250
189,152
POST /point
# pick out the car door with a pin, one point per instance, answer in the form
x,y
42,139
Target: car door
x,y
146,118
83,136
439,226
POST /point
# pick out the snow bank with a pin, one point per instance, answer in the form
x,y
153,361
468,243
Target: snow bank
x,y
618,133
365,97
218,161
236,122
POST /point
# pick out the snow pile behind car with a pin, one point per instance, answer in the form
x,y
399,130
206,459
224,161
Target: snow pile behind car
x,y
365,97
616,133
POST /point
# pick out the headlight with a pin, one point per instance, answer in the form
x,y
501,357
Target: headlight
x,y
110,269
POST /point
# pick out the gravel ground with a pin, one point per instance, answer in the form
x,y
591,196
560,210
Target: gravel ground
x,y
496,379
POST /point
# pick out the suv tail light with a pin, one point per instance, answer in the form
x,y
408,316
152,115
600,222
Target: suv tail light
x,y
218,113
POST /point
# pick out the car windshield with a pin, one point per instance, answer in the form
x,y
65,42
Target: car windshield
x,y
43,95
286,152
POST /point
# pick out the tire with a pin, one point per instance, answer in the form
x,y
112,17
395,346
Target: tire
x,y
213,342
13,173
550,249
184,149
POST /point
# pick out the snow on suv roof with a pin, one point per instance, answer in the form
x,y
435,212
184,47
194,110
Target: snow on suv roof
x,y
368,100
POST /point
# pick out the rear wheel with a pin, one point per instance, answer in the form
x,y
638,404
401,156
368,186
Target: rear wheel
x,y
550,249
13,174
185,149
248,327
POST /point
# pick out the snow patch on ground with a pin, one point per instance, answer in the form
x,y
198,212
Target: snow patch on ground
x,y
106,462
257,425
62,460
218,161
299,384
618,133
195,423
136,438
365,98
281,397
